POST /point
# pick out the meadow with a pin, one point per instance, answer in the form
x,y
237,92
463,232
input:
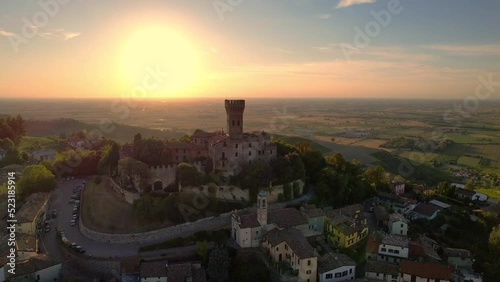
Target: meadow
x,y
355,128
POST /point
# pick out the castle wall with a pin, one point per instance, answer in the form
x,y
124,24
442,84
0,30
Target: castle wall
x,y
129,197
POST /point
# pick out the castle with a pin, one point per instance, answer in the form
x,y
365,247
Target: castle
x,y
227,152
219,151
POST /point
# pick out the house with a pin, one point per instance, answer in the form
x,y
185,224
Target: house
x,y
443,206
291,246
382,271
336,268
26,246
424,210
393,248
247,230
2,154
372,245
44,154
171,272
463,193
398,224
346,226
32,213
422,250
411,271
394,202
36,269
381,216
459,257
315,219
397,186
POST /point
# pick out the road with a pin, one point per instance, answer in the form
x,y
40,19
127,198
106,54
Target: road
x,y
370,217
59,201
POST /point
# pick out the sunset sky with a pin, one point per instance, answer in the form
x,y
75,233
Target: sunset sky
x,y
247,48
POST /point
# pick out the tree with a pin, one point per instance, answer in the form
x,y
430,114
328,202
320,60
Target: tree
x,y
376,176
201,249
303,146
218,265
111,158
445,188
6,144
137,146
36,178
314,162
133,172
494,239
187,174
287,191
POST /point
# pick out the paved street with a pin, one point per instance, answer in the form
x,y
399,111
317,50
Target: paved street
x,y
59,201
370,217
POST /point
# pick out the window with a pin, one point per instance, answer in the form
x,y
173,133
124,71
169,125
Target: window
x,y
338,275
224,144
286,247
308,272
384,250
184,151
233,122
308,262
350,271
391,251
329,276
249,153
344,273
235,154
277,248
236,146
401,225
249,145
271,152
258,152
223,155
238,123
396,251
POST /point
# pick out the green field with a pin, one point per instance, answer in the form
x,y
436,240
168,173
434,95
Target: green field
x,y
490,192
28,142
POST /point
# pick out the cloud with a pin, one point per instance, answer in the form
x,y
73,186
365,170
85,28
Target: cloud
x,y
5,33
347,3
324,16
466,50
59,34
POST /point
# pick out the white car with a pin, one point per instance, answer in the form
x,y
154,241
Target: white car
x,y
73,222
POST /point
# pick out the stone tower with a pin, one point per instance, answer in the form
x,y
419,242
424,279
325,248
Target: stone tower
x,y
262,208
234,112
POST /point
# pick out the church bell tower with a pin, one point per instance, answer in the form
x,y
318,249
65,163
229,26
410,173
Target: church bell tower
x,y
234,113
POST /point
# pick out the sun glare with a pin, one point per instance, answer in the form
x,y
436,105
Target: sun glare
x,y
164,51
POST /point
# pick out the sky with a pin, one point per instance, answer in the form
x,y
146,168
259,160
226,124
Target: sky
x,y
247,48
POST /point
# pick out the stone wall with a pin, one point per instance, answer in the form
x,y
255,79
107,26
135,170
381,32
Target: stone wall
x,y
122,193
172,232
166,173
278,189
100,268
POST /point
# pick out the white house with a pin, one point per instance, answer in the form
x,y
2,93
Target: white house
x,y
397,186
336,268
36,269
44,154
393,248
398,225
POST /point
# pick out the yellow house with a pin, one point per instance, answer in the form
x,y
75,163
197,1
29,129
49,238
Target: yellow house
x,y
347,226
291,246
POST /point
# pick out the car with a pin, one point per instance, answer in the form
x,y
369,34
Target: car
x,y
75,212
77,202
80,249
47,229
72,222
73,245
74,217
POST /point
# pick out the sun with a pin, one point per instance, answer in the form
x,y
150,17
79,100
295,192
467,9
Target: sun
x,y
164,51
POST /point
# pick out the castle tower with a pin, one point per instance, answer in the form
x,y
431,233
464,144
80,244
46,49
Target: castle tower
x,y
234,113
262,208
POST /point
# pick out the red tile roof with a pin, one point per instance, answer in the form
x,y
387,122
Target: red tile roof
x,y
426,270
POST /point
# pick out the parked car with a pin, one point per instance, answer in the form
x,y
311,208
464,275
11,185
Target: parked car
x,y
73,245
75,216
77,202
72,201
47,229
72,223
